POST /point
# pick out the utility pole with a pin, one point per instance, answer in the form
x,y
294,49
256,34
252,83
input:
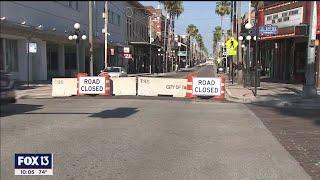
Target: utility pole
x,y
169,41
231,58
150,43
239,56
256,51
28,61
164,43
90,38
106,34
309,89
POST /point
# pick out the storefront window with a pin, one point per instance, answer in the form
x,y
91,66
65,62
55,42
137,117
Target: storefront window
x,y
11,55
52,58
71,61
1,54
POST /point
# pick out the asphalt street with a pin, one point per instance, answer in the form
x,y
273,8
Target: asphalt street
x,y
94,138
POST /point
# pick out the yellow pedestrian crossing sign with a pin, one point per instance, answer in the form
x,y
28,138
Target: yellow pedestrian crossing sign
x,y
232,44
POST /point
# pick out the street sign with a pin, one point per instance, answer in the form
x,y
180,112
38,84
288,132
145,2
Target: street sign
x,y
182,53
32,47
232,52
203,86
232,43
268,30
127,56
126,49
92,85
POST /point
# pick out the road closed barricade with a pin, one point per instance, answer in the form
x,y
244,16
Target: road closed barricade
x,y
99,85
64,87
124,86
152,86
207,86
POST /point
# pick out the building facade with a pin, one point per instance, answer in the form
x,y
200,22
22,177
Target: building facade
x,y
48,24
284,56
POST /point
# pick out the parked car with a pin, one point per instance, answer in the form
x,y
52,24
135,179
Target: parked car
x,y
7,87
115,71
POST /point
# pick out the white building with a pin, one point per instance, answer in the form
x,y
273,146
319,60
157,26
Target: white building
x,y
48,24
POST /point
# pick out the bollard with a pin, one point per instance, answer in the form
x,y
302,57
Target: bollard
x,y
108,84
78,75
222,90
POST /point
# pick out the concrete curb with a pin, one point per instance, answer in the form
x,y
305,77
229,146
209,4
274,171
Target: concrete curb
x,y
232,98
269,102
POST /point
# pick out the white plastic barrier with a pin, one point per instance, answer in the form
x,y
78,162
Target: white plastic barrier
x,y
62,87
124,86
148,86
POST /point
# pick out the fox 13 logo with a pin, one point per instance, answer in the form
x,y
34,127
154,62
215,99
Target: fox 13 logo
x,y
33,164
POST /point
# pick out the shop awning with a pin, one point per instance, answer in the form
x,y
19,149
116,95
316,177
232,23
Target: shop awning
x,y
288,32
144,44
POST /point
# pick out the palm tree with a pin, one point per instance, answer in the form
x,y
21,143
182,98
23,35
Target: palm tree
x,y
199,40
192,31
223,8
175,9
216,37
257,3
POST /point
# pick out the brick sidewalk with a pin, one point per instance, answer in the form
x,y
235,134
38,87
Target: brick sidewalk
x,y
298,130
271,94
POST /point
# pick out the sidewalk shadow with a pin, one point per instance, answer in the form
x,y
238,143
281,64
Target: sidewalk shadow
x,y
13,109
284,104
122,112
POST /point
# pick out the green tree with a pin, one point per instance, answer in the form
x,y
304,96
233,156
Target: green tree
x,y
223,8
217,37
192,31
199,40
175,9
257,3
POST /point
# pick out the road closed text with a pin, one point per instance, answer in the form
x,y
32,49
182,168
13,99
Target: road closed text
x,y
92,85
206,90
206,86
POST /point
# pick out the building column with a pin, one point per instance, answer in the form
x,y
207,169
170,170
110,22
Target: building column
x,y
61,60
22,61
39,61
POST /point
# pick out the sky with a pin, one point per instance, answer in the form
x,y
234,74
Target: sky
x,y
201,14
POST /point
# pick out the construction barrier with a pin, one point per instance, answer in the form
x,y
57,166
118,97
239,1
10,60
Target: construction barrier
x,y
189,87
124,86
78,86
222,90
152,86
108,91
64,87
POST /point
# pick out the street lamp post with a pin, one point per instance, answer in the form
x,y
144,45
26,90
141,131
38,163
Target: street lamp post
x,y
248,26
76,36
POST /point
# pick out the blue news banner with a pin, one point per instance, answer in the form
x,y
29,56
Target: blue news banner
x,y
33,164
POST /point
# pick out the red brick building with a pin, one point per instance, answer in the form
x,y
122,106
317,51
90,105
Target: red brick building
x,y
284,56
